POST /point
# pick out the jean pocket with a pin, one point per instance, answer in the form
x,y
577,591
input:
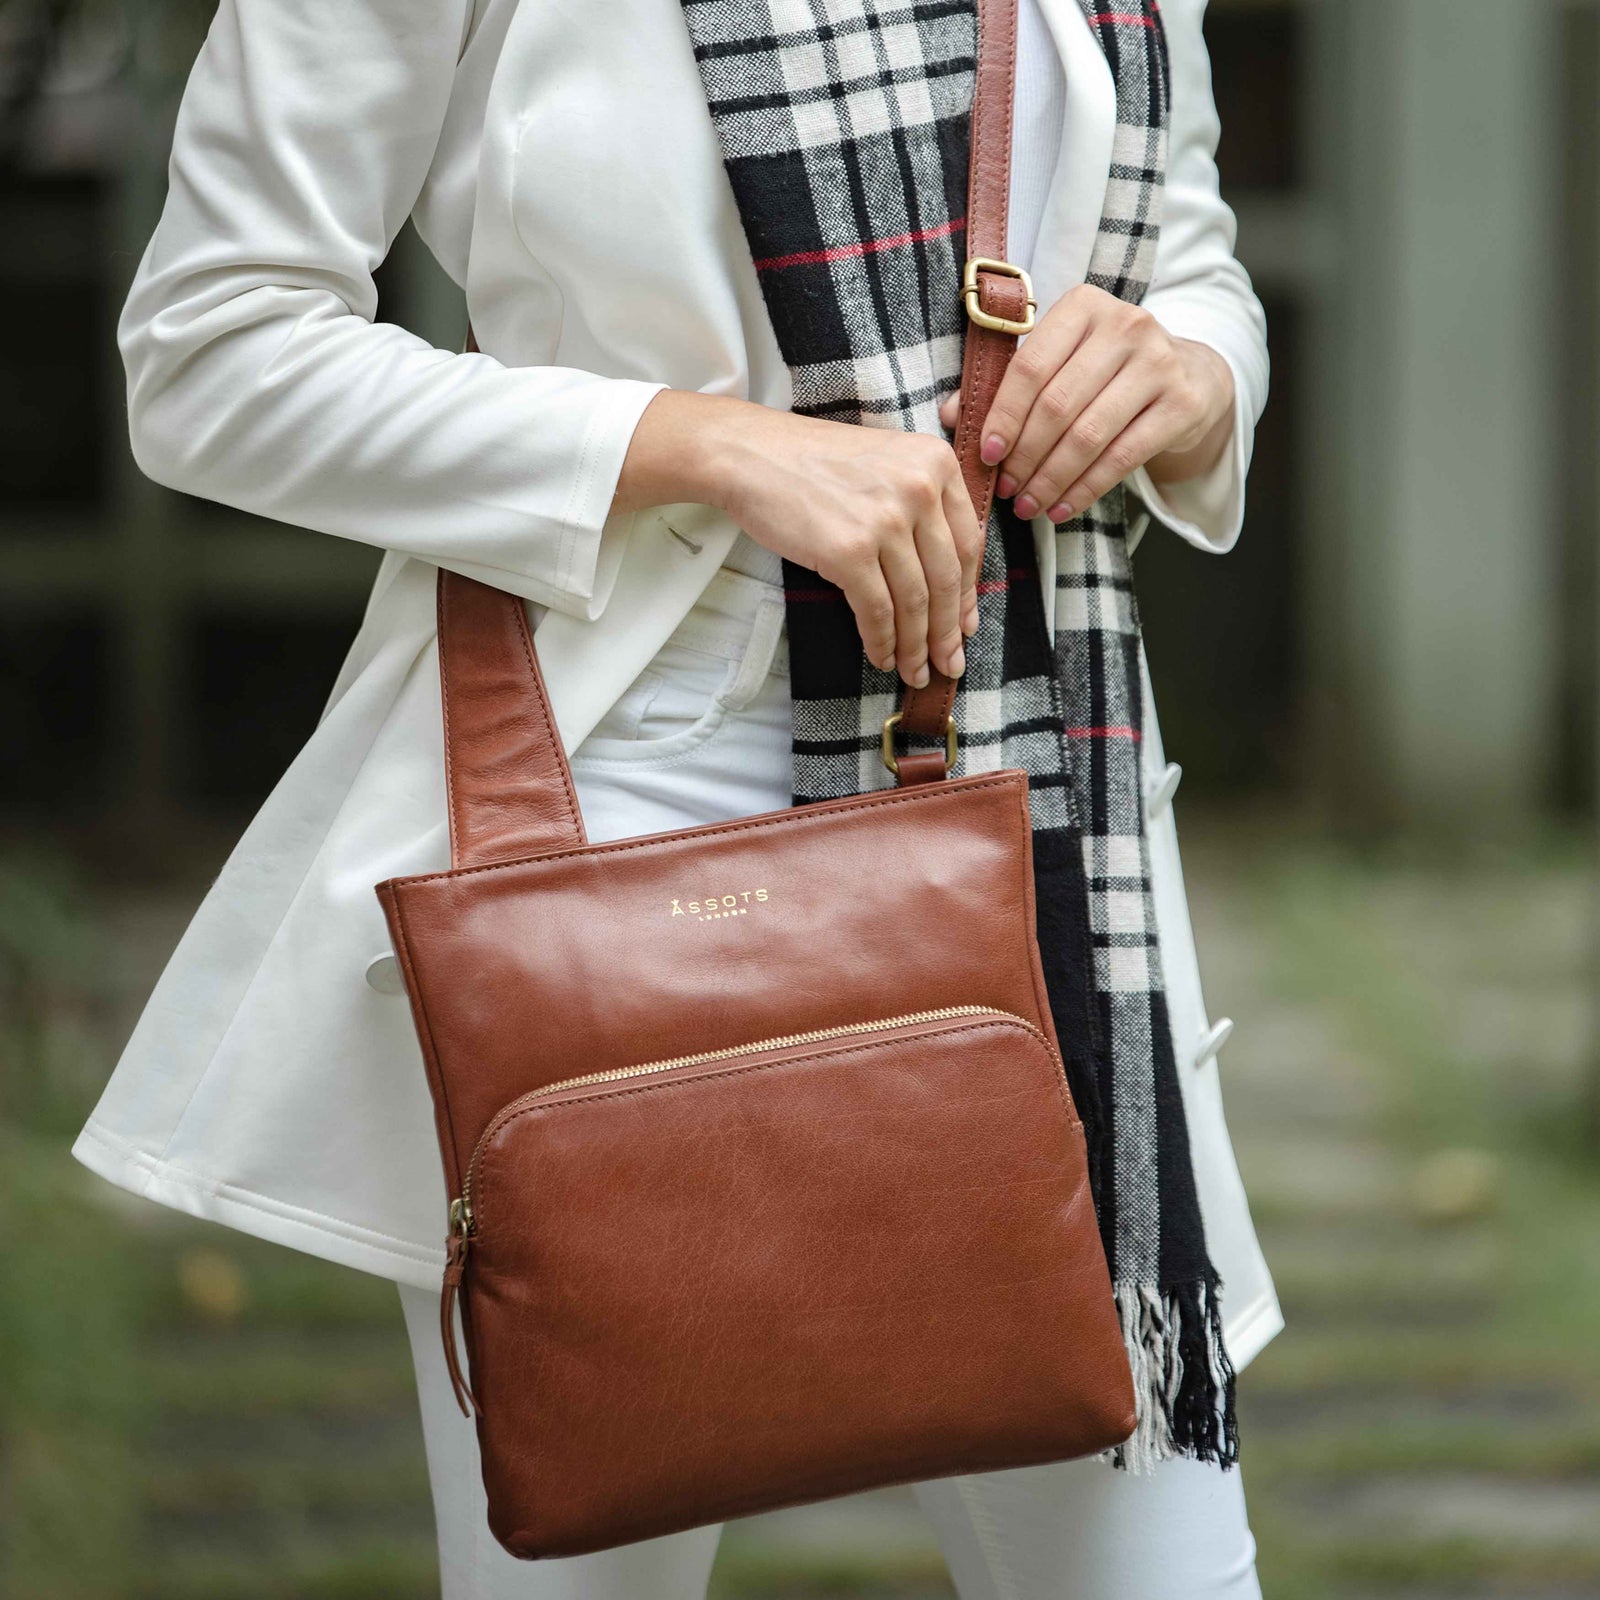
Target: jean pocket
x,y
671,708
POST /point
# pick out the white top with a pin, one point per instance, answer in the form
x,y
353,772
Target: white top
x,y
1039,110
1038,114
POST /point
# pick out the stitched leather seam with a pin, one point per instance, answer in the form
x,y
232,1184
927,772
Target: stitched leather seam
x,y
1006,71
980,123
541,704
436,1077
983,346
1002,70
1041,992
616,1092
444,695
969,423
793,818
926,711
464,841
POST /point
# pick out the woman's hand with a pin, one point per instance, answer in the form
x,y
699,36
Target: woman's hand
x,y
1096,390
882,514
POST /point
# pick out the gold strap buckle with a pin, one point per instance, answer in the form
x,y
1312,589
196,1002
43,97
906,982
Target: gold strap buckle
x,y
892,761
972,292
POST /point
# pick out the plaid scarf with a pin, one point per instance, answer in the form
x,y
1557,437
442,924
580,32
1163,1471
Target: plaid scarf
x,y
844,128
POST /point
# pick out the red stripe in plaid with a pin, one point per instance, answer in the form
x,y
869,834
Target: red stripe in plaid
x,y
1104,733
810,258
1000,585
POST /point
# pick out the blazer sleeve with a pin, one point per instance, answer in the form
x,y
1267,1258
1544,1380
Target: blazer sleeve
x,y
256,374
1200,291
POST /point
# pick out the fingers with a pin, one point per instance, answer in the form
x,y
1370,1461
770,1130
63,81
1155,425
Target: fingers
x,y
1145,437
950,411
1096,438
932,575
1040,357
908,564
1062,404
902,572
1062,423
873,607
944,579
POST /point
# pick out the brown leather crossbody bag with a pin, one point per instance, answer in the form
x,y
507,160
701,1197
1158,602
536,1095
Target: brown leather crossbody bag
x,y
767,1182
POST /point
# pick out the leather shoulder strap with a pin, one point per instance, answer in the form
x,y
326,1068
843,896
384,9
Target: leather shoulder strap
x,y
510,790
507,782
925,712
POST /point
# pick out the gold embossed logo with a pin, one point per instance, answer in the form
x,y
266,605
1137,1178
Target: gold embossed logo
x,y
714,907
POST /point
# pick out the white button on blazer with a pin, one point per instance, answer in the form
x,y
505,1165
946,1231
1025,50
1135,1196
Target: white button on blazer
x,y
560,162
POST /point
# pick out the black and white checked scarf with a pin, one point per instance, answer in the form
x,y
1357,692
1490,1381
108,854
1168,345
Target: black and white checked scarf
x,y
844,128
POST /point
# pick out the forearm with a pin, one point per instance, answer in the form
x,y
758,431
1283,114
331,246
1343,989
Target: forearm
x,y
685,449
880,513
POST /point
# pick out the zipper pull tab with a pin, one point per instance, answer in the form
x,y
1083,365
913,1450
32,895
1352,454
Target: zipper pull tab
x,y
455,1267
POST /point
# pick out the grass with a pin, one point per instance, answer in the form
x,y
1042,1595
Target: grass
x,y
1430,1345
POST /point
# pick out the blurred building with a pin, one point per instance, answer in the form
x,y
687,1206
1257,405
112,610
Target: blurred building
x,y
1408,630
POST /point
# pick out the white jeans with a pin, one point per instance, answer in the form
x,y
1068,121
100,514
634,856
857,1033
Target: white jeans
x,y
703,735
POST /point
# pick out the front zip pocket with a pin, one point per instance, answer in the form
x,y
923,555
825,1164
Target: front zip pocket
x,y
463,1219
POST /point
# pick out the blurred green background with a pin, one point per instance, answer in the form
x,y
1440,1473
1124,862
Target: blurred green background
x,y
1385,702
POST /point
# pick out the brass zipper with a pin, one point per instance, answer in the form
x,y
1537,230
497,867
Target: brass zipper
x,y
462,1222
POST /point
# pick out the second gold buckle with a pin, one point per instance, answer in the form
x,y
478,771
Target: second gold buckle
x,y
972,292
892,761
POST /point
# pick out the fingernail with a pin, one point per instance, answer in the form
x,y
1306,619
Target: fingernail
x,y
919,678
1027,506
958,662
969,623
1060,512
1006,487
994,450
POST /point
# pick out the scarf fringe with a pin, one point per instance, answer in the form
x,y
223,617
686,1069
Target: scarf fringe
x,y
1182,1378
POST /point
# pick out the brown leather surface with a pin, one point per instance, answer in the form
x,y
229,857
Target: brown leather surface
x,y
843,912
989,172
921,766
508,786
821,1270
720,1288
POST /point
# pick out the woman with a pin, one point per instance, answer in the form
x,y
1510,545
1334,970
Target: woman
x,y
669,401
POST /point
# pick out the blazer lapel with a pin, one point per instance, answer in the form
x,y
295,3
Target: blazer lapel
x,y
1083,167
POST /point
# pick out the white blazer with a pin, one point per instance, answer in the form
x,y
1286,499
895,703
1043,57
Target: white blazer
x,y
558,157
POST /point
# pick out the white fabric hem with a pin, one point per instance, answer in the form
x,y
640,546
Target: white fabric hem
x,y
346,1244
592,544
1248,1331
